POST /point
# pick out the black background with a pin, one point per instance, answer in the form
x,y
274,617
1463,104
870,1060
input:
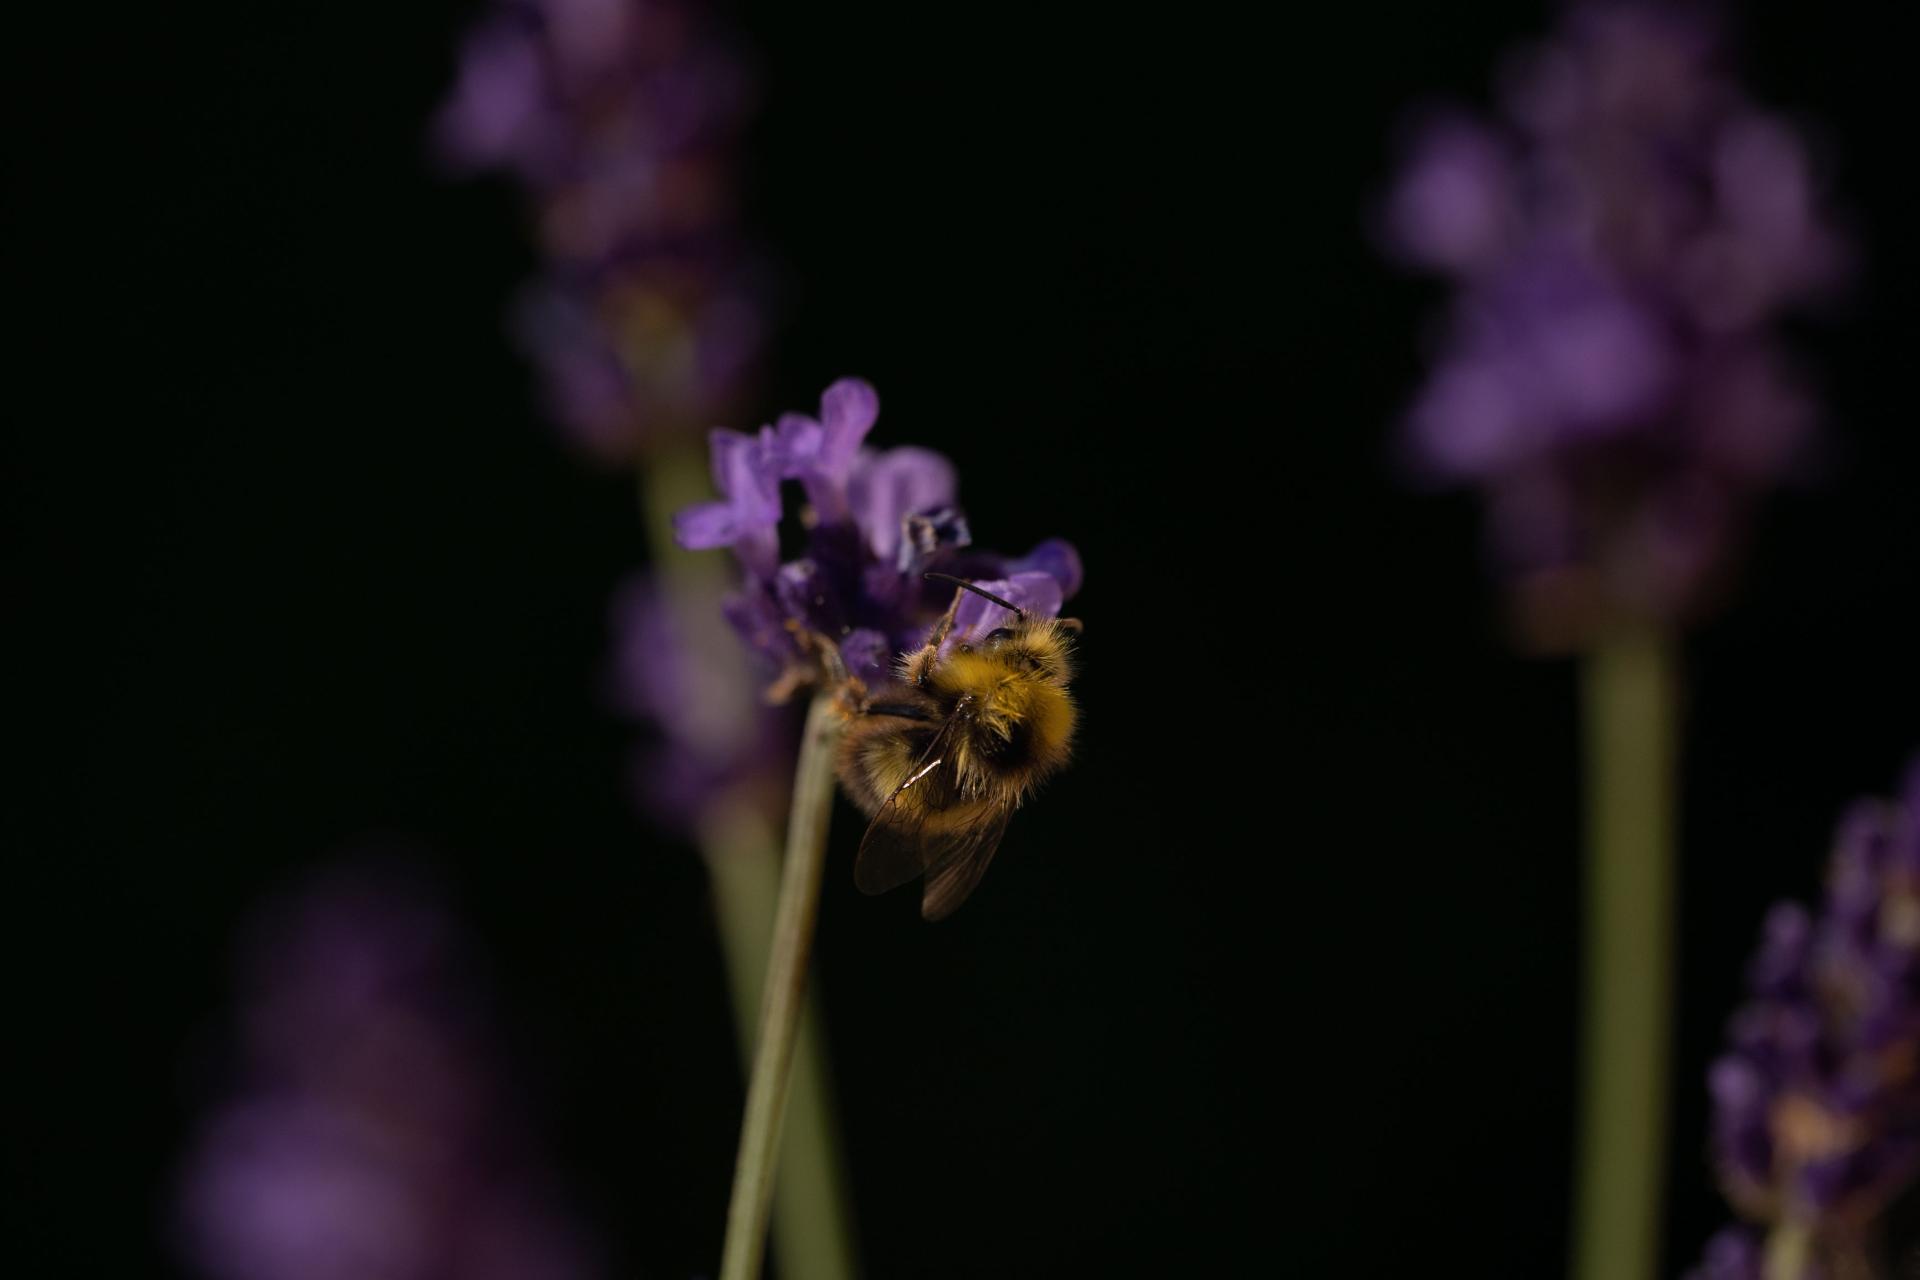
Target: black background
x,y
1281,974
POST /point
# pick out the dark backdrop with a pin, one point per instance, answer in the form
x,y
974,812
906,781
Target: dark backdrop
x,y
1281,972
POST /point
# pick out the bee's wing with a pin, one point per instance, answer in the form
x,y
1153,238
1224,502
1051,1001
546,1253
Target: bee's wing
x,y
950,845
891,852
963,863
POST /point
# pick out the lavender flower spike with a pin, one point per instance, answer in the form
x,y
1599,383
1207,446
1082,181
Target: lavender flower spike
x,y
876,523
1732,1254
820,453
1621,240
747,516
373,1133
1816,1104
620,120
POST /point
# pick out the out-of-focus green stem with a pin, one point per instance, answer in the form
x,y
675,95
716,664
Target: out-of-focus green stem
x,y
1628,707
793,931
1788,1247
812,1223
812,1238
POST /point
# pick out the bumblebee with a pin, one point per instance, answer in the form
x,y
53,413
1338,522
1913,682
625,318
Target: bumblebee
x,y
940,757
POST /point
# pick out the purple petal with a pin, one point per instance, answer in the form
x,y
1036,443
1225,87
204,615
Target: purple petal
x,y
886,488
588,387
756,621
795,445
1735,1086
1056,558
758,549
1733,1254
742,470
587,36
1785,937
806,594
1453,208
748,516
592,397
649,673
868,656
495,101
1472,419
1605,360
1762,180
848,410
1038,594
886,591
293,1186
706,525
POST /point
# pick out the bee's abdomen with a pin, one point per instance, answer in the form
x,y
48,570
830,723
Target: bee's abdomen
x,y
1019,735
1012,749
877,754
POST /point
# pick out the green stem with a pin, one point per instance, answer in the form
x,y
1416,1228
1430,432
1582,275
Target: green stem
x,y
812,1236
780,1009
812,1221
1628,708
1788,1248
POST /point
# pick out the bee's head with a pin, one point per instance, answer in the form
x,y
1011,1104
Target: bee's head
x,y
1029,641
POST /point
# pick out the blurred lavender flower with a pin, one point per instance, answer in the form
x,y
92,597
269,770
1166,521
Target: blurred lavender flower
x,y
620,118
680,670
1732,1254
1817,1102
370,1137
1621,241
876,522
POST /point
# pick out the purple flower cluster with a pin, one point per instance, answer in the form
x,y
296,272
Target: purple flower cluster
x,y
620,118
875,522
679,670
1621,240
1734,1253
1817,1101
370,1137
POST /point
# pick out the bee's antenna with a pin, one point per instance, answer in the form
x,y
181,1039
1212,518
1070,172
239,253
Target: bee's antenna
x,y
964,585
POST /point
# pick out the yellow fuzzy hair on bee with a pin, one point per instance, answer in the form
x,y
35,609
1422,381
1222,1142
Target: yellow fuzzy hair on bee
x,y
941,756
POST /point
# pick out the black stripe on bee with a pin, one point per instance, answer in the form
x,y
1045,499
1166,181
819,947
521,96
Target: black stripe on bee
x,y
1013,751
901,711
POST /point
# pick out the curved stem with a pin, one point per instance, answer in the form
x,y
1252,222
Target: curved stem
x,y
812,1231
783,1001
1628,709
740,844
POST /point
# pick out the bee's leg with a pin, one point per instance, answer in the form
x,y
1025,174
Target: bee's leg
x,y
828,670
829,655
1072,626
919,668
942,628
849,690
